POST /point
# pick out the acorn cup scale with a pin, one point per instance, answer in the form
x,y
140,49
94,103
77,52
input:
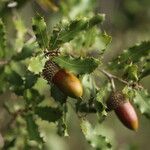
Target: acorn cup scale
x,y
67,82
123,109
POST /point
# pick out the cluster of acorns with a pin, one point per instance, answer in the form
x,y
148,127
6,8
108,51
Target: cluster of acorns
x,y
71,86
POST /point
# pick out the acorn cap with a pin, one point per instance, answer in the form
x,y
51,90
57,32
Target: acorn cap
x,y
115,100
50,69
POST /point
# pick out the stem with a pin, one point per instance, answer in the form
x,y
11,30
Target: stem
x,y
111,77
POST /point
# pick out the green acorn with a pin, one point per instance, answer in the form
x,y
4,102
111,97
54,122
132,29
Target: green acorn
x,y
123,109
67,82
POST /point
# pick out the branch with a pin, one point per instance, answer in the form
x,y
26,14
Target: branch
x,y
111,77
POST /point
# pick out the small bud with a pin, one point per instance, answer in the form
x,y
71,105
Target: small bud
x,y
123,109
67,82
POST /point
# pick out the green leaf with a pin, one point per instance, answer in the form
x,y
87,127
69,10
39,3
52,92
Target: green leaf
x,y
91,42
62,128
32,129
2,39
36,64
58,95
129,92
76,8
99,103
14,80
62,122
103,41
84,40
40,30
97,141
32,96
77,65
63,33
89,87
27,51
142,101
95,101
48,113
13,77
131,72
9,144
85,107
3,84
133,54
30,80
18,67
145,70
20,33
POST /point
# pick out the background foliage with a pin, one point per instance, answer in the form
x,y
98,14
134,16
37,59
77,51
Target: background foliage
x,y
37,117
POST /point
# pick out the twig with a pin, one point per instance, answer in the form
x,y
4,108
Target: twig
x,y
111,76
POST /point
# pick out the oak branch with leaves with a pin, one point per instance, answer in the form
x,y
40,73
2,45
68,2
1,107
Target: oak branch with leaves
x,y
67,63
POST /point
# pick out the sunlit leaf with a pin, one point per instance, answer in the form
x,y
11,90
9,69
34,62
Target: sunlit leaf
x,y
97,141
146,69
100,105
131,72
20,33
40,30
133,54
142,100
36,64
27,51
63,33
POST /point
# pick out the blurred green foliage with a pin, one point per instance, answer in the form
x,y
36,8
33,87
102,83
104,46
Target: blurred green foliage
x,y
74,27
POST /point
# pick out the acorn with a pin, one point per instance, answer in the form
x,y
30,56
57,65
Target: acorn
x,y
123,109
67,82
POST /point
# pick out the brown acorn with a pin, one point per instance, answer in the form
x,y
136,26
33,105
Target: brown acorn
x,y
123,109
67,82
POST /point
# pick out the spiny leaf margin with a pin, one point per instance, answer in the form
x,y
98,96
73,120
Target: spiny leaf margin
x,y
142,101
97,141
65,32
2,39
135,54
77,65
48,113
40,29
